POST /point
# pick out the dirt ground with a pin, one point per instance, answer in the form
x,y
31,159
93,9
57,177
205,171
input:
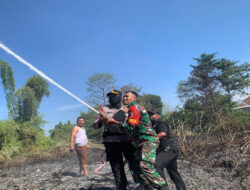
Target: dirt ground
x,y
63,173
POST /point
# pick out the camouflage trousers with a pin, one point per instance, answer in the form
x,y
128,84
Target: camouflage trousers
x,y
144,170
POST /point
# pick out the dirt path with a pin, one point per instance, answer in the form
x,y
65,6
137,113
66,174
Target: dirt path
x,y
63,174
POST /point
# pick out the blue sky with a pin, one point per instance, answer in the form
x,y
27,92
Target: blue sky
x,y
148,43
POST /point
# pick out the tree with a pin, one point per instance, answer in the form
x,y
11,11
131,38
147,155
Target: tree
x,y
61,132
207,94
29,98
150,102
233,78
26,103
99,84
8,82
202,84
130,87
213,78
39,86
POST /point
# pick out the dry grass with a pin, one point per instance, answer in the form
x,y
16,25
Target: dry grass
x,y
34,155
225,146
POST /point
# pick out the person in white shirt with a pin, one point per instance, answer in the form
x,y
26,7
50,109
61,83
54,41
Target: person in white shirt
x,y
80,140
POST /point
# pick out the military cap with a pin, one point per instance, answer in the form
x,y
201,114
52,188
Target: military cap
x,y
114,92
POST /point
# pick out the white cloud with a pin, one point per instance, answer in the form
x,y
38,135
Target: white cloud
x,y
69,107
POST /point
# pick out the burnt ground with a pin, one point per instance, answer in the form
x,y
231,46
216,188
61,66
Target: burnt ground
x,y
63,173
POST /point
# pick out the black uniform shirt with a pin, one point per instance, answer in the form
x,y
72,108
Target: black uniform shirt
x,y
167,140
112,132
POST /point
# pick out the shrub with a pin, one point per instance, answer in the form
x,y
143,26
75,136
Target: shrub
x,y
10,150
8,132
43,142
61,132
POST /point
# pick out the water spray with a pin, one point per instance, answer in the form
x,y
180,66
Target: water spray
x,y
45,76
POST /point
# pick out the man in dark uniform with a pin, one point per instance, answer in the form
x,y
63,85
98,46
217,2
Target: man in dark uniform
x,y
167,152
115,139
146,142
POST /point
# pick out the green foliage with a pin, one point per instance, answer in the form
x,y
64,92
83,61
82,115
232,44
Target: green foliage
x,y
8,132
214,77
99,84
92,133
9,88
20,136
233,78
130,87
61,132
11,150
43,142
22,104
28,134
241,118
32,136
207,94
26,147
39,86
202,84
22,139
30,131
150,102
26,103
29,98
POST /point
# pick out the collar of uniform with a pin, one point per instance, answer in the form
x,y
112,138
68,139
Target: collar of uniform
x,y
132,103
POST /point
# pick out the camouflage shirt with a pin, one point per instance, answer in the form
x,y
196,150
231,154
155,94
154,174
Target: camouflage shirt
x,y
139,124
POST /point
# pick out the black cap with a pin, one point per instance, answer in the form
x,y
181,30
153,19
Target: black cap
x,y
154,111
114,92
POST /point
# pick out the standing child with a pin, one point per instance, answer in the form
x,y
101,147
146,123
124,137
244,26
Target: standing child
x,y
79,138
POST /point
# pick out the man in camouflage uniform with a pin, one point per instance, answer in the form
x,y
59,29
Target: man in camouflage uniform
x,y
146,142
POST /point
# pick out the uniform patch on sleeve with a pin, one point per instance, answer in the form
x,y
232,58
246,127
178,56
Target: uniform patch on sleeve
x,y
132,121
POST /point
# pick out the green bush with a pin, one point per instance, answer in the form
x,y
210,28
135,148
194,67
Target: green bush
x,y
8,132
10,150
34,137
241,118
9,144
61,132
22,140
43,142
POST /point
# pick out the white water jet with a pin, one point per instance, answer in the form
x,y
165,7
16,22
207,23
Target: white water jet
x,y
44,76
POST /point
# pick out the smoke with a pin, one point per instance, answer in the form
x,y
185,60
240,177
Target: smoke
x,y
44,75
